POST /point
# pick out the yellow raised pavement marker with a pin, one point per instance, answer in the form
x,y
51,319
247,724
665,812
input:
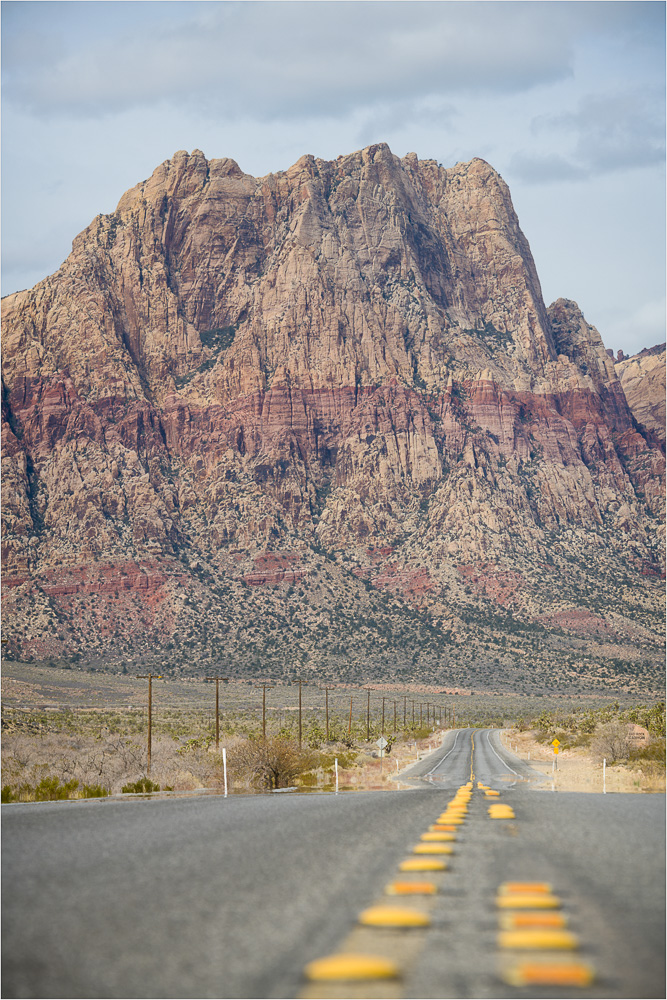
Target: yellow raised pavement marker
x,y
393,916
549,974
516,920
455,818
500,811
491,793
443,828
524,887
411,889
439,835
539,939
422,865
530,901
351,967
433,849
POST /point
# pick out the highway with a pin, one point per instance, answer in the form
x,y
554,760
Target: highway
x,y
214,897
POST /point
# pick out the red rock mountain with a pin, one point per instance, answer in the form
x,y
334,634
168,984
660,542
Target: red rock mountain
x,y
323,419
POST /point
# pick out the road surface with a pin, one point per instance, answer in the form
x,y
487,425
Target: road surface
x,y
216,897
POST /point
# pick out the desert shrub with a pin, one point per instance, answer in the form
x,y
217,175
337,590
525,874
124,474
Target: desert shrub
x,y
271,763
315,735
652,719
50,789
143,785
650,758
94,792
611,741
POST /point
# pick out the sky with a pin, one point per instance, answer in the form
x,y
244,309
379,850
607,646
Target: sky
x,y
565,99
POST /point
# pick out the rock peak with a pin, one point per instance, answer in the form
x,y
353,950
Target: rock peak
x,y
231,374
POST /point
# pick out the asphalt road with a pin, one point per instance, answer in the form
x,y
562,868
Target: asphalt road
x,y
217,897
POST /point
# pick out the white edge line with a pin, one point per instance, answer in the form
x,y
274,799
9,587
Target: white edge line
x,y
503,762
445,757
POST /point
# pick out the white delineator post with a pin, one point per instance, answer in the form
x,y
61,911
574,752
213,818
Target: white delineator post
x,y
336,767
604,776
224,767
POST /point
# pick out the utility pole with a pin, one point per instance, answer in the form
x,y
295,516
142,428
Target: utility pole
x,y
264,687
368,716
405,702
300,730
349,728
453,714
383,701
217,707
150,677
326,709
395,717
428,713
413,712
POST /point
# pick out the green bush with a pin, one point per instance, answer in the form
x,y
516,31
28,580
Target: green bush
x,y
653,753
142,786
50,790
94,792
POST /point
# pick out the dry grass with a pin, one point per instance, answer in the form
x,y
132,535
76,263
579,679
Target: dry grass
x,y
578,771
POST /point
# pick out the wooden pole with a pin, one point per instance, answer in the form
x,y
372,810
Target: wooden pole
x,y
217,707
150,719
149,677
368,716
326,702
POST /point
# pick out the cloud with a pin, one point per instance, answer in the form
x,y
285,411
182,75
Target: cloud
x,y
544,168
384,121
606,133
278,59
613,131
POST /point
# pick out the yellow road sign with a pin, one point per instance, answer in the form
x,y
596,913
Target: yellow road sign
x,y
555,743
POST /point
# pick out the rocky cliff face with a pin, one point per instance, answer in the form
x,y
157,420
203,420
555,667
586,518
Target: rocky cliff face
x,y
329,405
642,378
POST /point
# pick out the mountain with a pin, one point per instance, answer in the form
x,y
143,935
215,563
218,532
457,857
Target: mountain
x,y
323,421
642,378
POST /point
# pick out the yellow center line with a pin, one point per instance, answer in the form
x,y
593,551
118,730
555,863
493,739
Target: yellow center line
x,y
472,740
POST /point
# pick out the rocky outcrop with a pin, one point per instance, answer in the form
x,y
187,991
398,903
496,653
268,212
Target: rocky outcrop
x,y
230,376
642,378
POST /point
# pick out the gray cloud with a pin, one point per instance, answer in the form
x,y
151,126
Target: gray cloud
x,y
280,59
544,168
385,121
614,131
607,132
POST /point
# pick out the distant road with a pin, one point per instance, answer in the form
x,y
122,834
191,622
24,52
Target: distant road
x,y
226,898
